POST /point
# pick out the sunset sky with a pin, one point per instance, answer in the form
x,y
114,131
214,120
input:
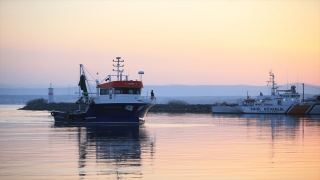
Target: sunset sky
x,y
174,42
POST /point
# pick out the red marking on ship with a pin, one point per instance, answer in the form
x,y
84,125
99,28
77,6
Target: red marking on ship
x,y
118,84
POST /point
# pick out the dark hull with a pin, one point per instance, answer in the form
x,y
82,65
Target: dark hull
x,y
106,113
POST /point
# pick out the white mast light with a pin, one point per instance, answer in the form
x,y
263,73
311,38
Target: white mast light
x,y
140,72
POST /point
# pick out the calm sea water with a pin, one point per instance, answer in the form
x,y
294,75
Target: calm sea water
x,y
167,146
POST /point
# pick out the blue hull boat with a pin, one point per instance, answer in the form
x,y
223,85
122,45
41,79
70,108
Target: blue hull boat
x,y
117,101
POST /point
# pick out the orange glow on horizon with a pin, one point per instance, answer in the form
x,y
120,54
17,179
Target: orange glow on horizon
x,y
202,42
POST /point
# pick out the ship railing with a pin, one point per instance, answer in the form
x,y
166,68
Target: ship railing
x,y
144,98
310,103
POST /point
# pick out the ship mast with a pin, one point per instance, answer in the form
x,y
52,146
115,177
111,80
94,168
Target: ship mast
x,y
273,88
118,66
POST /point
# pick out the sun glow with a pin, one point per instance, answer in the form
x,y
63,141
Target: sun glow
x,y
204,40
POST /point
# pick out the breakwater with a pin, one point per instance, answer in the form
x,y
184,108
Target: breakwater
x,y
188,108
181,108
174,106
54,106
169,108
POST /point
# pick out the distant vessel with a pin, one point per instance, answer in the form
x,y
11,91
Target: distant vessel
x,y
279,102
117,101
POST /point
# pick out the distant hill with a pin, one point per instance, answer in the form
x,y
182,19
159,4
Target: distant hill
x,y
172,90
193,94
23,99
222,90
24,86
37,91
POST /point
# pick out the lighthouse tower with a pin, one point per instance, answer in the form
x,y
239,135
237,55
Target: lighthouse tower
x,y
50,94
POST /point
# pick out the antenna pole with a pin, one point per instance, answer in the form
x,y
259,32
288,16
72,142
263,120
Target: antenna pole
x,y
287,78
80,88
118,66
273,89
302,92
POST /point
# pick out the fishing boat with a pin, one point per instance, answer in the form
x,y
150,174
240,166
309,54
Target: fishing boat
x,y
118,101
278,102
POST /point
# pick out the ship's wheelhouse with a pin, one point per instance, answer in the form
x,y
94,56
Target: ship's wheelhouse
x,y
119,89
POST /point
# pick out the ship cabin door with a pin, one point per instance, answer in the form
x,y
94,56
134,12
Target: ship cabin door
x,y
111,95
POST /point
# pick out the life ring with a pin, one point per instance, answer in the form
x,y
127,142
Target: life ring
x,y
53,113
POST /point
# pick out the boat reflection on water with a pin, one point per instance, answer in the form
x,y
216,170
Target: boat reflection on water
x,y
283,117
113,150
288,125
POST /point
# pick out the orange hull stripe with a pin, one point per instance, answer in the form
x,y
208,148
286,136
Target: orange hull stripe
x,y
299,109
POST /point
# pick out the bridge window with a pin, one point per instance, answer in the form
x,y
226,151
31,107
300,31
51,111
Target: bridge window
x,y
104,91
127,91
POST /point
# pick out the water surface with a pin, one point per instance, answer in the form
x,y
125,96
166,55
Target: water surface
x,y
167,146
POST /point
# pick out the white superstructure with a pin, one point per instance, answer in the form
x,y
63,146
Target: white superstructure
x,y
278,102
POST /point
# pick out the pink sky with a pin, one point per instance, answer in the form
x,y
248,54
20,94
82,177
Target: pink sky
x,y
180,42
